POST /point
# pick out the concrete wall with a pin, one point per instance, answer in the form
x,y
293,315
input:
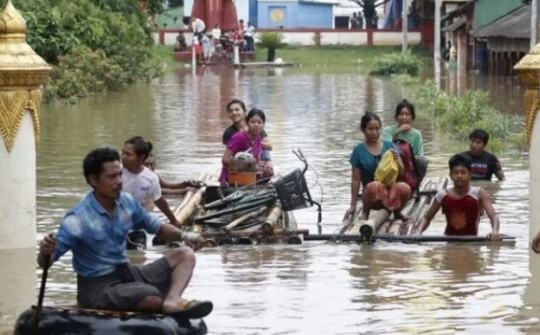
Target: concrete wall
x,y
292,14
381,37
328,37
312,15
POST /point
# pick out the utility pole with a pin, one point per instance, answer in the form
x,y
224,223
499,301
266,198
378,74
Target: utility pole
x,y
437,45
404,27
534,23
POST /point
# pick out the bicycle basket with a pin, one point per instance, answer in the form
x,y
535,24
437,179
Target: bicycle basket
x,y
292,191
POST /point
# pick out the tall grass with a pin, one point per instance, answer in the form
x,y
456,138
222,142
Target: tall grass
x,y
459,115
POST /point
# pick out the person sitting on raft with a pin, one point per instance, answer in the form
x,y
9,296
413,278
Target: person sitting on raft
x,y
462,204
169,187
141,182
247,141
95,231
237,113
404,129
364,160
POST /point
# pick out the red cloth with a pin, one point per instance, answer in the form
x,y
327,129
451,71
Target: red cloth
x,y
393,198
462,212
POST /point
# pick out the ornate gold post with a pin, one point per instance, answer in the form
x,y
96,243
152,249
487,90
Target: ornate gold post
x,y
22,73
528,69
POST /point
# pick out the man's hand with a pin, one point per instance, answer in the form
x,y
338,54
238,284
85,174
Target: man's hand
x,y
350,212
193,240
536,243
403,128
47,245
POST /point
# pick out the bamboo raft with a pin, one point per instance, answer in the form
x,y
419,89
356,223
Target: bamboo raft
x,y
254,214
381,225
382,222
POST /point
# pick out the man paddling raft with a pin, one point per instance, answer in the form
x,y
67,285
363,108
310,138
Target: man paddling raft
x,y
462,204
95,231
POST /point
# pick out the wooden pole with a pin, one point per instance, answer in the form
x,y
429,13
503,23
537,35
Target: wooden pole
x,y
534,23
404,27
437,45
244,218
39,307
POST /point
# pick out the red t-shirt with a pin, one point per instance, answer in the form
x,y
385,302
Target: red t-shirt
x,y
462,212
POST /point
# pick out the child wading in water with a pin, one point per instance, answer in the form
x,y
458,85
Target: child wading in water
x,y
462,204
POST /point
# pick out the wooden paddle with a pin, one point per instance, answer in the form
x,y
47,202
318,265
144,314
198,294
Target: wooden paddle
x,y
39,306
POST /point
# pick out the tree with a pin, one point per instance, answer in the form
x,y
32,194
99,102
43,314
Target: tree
x,y
368,7
271,41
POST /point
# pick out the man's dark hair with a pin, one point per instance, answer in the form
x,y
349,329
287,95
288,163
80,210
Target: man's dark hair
x,y
93,162
142,147
480,134
459,160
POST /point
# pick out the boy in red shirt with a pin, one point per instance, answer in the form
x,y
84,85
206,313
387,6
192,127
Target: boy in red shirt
x,y
462,204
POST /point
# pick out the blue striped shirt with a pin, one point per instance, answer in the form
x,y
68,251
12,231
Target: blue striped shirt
x,y
97,239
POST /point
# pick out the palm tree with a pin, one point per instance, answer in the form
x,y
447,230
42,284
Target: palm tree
x,y
271,41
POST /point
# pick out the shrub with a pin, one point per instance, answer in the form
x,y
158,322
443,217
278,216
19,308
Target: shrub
x,y
459,115
397,63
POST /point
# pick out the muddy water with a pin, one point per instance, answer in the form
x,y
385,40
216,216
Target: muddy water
x,y
314,288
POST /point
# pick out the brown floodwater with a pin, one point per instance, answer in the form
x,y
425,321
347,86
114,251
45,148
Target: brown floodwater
x,y
313,288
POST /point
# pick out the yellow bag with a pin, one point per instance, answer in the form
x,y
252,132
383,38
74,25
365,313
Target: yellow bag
x,y
387,171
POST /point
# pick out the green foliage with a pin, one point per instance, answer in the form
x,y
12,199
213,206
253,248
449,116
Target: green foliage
x,y
397,63
272,40
93,45
458,116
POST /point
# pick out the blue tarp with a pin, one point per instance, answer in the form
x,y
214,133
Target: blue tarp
x,y
393,13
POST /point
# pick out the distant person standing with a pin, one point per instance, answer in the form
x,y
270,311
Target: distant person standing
x,y
249,34
483,164
360,21
354,21
198,27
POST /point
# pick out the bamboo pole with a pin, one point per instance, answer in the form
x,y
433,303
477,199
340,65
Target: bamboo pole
x,y
279,233
369,227
244,218
191,205
271,220
384,227
185,200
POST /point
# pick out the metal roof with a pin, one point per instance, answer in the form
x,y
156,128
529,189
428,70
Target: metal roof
x,y
456,24
516,24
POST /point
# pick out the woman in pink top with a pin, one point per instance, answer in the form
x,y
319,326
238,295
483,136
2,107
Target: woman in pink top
x,y
246,141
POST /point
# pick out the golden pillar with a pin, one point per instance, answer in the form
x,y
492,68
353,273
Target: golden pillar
x,y
22,74
528,69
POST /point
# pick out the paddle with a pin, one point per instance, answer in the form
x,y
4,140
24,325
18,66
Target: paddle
x,y
39,307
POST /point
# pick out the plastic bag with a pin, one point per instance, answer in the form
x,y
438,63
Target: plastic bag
x,y
387,171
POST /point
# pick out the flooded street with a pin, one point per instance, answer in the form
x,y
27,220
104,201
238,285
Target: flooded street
x,y
313,288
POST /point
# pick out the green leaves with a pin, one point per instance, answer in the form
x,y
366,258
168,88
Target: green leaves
x,y
272,40
397,63
93,45
459,115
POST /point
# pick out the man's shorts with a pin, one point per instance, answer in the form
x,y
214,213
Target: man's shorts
x,y
125,287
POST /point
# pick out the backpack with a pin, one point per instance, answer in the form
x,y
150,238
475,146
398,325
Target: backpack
x,y
410,174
